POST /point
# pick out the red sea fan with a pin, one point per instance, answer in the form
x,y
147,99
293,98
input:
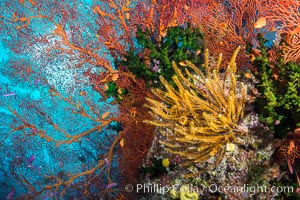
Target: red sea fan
x,y
136,135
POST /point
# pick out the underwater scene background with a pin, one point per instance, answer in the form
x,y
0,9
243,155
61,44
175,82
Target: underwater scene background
x,y
150,99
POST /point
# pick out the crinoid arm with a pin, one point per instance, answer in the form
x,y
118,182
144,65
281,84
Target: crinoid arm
x,y
203,110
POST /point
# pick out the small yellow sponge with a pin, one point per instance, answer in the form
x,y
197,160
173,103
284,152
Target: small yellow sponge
x,y
165,162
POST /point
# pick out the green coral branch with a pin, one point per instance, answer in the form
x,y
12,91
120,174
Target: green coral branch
x,y
279,85
180,43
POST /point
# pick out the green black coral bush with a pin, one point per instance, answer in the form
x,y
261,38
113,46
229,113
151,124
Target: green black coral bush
x,y
154,58
279,84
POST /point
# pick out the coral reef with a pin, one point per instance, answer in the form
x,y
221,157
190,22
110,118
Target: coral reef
x,y
246,171
75,77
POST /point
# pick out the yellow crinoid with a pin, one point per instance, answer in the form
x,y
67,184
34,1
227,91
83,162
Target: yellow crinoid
x,y
202,112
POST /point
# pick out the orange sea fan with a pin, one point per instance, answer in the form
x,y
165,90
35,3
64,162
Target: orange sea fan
x,y
285,15
158,16
289,149
227,26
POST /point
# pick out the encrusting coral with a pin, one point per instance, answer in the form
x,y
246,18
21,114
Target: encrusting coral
x,y
202,112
